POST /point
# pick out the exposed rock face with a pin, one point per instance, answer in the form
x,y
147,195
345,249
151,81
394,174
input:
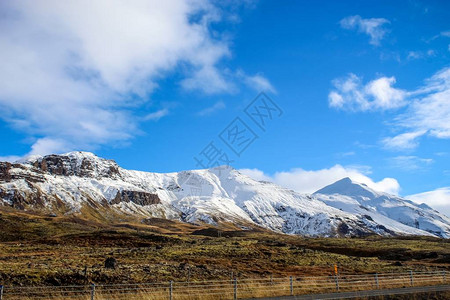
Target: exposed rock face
x,y
141,198
4,171
35,190
23,200
6,174
81,165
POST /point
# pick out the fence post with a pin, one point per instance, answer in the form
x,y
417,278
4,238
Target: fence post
x,y
411,277
171,290
291,282
1,292
376,280
337,282
92,291
235,289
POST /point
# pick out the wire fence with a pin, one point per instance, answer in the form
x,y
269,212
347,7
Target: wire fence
x,y
228,289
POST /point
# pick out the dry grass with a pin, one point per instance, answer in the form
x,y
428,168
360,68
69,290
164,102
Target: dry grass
x,y
246,288
38,250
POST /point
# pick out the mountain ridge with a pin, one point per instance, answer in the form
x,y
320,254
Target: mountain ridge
x,y
354,197
64,183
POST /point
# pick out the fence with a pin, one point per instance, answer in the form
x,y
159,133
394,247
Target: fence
x,y
228,289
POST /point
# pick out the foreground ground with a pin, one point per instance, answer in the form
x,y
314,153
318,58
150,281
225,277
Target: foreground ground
x,y
44,250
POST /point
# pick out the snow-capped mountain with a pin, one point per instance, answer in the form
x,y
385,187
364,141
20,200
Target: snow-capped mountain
x,y
68,183
358,198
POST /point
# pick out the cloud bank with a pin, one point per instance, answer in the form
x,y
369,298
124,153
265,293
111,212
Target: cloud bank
x,y
351,94
74,73
438,199
426,108
309,181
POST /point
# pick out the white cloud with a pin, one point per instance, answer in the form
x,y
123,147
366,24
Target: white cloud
x,y
10,158
77,71
379,94
372,27
208,80
444,34
48,145
404,141
346,154
257,82
427,107
410,162
41,146
256,174
414,55
420,54
219,105
441,34
225,81
385,96
309,181
430,110
155,116
438,199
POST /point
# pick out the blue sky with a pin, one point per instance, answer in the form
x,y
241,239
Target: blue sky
x,y
364,87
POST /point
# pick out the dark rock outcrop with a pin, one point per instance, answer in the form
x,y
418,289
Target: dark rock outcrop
x,y
4,171
76,166
6,175
20,200
140,198
110,263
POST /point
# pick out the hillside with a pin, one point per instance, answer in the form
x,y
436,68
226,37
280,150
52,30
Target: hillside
x,y
82,184
69,250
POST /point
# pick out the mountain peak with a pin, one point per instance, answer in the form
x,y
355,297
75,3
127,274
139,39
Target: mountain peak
x,y
80,178
347,180
79,163
80,154
349,187
358,198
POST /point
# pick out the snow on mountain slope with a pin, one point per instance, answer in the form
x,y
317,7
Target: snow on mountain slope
x,y
263,203
357,198
65,183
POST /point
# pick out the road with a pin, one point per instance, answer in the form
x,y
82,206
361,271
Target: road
x,y
358,294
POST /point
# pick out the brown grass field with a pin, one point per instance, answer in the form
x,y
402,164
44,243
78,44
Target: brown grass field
x,y
37,250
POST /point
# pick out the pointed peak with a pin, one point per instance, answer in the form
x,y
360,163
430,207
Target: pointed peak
x,y
218,171
222,167
222,170
350,181
345,180
83,153
77,155
349,187
80,154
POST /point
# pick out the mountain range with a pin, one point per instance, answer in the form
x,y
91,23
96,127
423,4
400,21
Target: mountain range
x,y
81,183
